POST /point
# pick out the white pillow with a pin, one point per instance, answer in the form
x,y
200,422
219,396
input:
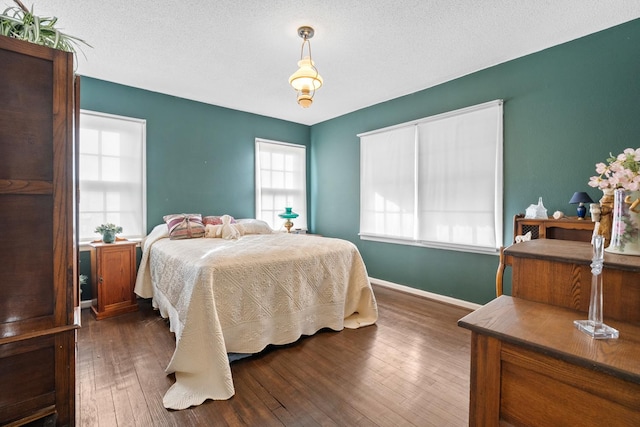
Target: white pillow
x,y
254,226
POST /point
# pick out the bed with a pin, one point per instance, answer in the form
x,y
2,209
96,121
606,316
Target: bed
x,y
236,296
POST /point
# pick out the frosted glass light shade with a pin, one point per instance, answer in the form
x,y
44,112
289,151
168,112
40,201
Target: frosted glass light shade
x,y
307,77
305,100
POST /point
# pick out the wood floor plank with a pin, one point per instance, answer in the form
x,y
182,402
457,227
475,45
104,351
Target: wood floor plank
x,y
254,405
106,408
335,409
333,394
346,382
410,369
86,405
302,411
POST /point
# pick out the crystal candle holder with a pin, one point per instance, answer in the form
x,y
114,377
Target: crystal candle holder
x,y
594,326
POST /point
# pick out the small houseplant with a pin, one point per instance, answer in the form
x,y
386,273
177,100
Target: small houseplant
x,y
108,232
20,23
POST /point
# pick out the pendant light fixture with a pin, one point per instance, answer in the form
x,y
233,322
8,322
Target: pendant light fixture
x,y
306,80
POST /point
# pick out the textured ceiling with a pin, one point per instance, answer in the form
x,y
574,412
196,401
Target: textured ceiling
x,y
239,54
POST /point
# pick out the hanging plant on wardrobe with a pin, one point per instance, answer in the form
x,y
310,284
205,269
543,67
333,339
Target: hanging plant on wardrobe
x,y
20,23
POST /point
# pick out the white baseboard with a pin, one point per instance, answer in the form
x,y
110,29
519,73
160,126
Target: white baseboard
x,y
85,304
430,295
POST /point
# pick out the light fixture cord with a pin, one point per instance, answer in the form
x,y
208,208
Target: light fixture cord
x,y
305,41
308,43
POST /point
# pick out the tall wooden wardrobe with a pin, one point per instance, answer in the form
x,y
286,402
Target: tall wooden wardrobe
x,y
38,274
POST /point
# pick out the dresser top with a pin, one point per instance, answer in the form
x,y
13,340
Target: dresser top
x,y
122,242
569,251
550,330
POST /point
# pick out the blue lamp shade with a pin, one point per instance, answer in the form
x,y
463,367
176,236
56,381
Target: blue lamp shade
x,y
581,198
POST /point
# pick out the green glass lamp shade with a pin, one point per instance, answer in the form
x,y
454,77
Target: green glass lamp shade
x,y
288,214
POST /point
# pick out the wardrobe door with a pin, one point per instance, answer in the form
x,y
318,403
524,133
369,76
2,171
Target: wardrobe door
x,y
37,268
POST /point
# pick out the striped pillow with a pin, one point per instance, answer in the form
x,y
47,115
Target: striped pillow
x,y
184,226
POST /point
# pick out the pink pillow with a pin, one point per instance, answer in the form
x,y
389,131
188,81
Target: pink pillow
x,y
215,220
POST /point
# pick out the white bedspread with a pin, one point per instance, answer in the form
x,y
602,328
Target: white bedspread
x,y
238,296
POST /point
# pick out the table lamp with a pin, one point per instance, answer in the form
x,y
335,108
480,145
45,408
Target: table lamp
x,y
288,215
581,198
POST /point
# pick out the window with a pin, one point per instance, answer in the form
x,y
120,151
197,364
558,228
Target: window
x,y
112,174
281,171
436,181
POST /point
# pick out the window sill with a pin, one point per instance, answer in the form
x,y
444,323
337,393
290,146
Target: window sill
x,y
433,245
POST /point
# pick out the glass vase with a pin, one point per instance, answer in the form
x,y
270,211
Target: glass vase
x,y
625,227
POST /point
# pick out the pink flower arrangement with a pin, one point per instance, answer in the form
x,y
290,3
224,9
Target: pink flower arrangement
x,y
622,171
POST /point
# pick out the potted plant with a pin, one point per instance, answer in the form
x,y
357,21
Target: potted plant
x,y
82,280
20,23
108,232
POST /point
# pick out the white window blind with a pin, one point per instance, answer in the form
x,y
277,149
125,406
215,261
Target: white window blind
x,y
281,171
436,181
112,175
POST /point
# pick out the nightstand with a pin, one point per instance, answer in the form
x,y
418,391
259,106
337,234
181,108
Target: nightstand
x,y
113,272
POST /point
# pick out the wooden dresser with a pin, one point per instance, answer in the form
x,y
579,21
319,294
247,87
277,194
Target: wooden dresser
x,y
558,272
531,367
38,276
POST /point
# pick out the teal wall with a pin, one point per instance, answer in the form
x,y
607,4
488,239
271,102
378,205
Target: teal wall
x,y
200,157
565,109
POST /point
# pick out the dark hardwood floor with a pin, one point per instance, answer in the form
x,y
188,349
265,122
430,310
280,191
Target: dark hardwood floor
x,y
410,369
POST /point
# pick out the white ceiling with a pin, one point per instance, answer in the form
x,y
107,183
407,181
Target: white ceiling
x,y
240,53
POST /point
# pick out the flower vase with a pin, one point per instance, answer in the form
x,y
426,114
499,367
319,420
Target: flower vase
x,y
625,229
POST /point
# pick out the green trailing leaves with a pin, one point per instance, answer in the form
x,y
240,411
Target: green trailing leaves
x,y
20,23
